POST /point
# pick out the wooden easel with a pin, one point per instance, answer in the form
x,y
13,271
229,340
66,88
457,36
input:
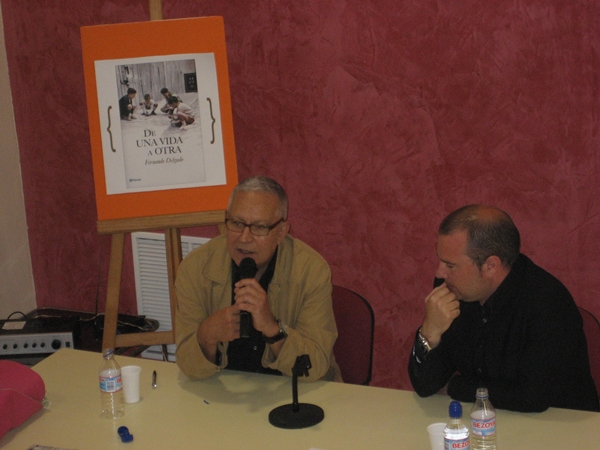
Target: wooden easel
x,y
172,225
118,228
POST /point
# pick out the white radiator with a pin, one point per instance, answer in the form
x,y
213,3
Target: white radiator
x,y
152,280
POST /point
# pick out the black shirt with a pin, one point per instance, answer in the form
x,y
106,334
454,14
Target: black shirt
x,y
246,353
525,344
124,102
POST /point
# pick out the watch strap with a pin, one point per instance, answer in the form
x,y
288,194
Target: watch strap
x,y
279,336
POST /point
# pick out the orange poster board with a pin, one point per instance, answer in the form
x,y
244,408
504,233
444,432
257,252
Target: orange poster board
x,y
150,160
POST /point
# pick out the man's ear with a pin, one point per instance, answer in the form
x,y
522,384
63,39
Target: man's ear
x,y
491,266
285,229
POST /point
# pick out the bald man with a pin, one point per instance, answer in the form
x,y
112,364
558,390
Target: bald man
x,y
497,320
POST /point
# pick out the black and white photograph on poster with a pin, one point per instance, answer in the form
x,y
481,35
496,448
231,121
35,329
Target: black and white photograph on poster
x,y
160,123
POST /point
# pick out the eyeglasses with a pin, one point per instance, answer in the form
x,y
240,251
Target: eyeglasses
x,y
256,230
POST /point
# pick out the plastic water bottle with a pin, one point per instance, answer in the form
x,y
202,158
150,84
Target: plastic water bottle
x,y
111,386
456,433
483,422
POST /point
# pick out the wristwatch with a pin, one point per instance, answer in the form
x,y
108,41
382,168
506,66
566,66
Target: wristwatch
x,y
279,336
423,341
421,347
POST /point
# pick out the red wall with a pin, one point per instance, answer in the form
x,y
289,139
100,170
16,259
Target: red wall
x,y
379,117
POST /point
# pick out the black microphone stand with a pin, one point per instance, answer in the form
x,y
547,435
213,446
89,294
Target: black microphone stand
x,y
297,415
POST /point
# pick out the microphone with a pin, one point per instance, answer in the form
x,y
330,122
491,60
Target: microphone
x,y
248,269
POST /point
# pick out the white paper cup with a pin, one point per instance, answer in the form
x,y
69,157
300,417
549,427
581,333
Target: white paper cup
x,y
131,383
436,435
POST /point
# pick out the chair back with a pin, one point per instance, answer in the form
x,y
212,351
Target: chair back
x,y
591,328
355,322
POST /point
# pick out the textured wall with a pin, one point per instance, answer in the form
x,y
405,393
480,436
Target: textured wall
x,y
378,116
17,291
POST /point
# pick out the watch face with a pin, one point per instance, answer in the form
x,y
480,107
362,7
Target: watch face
x,y
282,327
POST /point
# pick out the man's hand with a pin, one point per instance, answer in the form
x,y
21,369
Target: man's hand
x,y
250,296
222,326
441,308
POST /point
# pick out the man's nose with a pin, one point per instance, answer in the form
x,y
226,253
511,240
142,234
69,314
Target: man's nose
x,y
246,236
441,271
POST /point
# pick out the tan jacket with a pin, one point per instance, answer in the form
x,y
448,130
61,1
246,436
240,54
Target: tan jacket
x,y
299,295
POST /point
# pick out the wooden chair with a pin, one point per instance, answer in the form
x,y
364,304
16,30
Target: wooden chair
x,y
353,349
591,328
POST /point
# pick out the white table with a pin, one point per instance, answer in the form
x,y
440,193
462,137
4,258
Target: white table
x,y
230,411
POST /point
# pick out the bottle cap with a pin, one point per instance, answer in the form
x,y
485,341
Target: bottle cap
x,y
482,393
455,409
123,432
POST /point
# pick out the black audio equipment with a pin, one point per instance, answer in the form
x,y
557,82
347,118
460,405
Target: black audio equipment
x,y
31,339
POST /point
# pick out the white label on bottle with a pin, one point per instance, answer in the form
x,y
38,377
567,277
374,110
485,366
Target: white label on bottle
x,y
485,427
462,444
111,384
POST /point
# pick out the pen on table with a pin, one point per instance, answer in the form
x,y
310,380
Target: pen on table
x,y
154,384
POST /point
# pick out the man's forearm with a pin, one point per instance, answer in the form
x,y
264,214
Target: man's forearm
x,y
207,345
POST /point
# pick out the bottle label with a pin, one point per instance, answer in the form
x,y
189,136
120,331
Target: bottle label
x,y
462,444
111,384
485,427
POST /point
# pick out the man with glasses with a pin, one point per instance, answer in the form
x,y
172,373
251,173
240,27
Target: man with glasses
x,y
289,299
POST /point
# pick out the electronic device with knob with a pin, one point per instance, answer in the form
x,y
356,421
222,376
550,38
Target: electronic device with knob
x,y
31,339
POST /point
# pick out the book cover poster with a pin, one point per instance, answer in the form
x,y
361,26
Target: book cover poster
x,y
161,129
149,143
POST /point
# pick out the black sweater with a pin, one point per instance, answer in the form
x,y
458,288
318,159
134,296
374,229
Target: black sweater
x,y
525,344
